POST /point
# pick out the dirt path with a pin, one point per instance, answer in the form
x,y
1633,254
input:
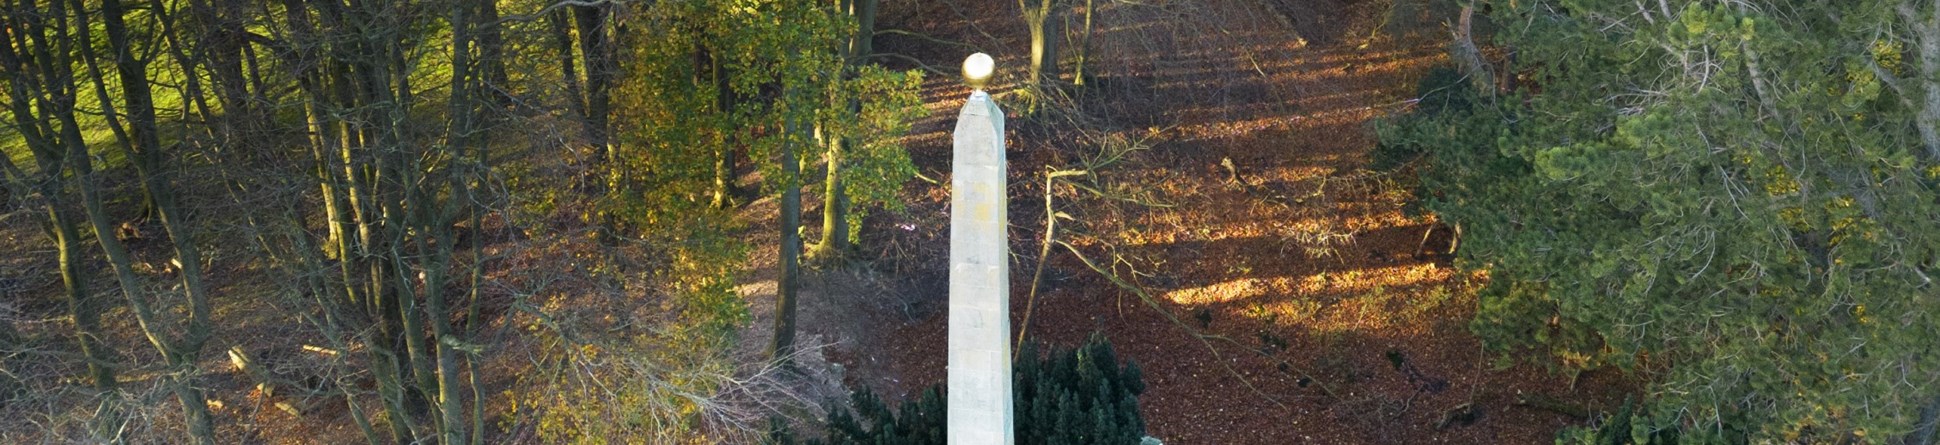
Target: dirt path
x,y
1298,265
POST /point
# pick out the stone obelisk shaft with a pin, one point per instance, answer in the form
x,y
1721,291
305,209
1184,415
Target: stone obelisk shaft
x,y
979,370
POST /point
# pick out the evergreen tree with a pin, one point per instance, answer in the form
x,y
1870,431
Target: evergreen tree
x,y
1078,396
1735,197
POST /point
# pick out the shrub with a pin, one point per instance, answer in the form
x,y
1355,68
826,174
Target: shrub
x,y
1078,396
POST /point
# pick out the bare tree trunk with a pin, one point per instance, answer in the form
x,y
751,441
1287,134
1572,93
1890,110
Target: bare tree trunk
x,y
219,46
400,197
328,164
144,148
724,103
491,54
835,194
147,155
80,305
481,157
596,47
1044,40
1084,47
13,182
367,77
26,38
791,253
835,206
40,78
562,41
435,220
195,409
559,23
1468,56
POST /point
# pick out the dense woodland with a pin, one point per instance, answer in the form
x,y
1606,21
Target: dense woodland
x,y
723,221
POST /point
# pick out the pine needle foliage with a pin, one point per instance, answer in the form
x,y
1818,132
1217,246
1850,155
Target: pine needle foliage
x,y
1076,396
1733,200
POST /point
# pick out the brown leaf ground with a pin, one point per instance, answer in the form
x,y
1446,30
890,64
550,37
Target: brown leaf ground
x,y
1302,277
1304,266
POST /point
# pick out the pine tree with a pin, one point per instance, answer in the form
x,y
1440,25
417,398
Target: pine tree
x,y
1079,396
1736,196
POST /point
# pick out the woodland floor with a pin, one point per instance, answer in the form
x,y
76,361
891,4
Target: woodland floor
x,y
1303,276
1295,275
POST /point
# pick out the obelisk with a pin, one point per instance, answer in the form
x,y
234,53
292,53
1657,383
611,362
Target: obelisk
x,y
979,369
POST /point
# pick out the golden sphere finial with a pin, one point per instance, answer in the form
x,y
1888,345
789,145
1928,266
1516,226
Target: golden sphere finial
x,y
977,70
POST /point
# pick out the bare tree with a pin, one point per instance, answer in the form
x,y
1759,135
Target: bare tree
x,y
1041,16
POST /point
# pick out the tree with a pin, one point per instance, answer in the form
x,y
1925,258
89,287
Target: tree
x,y
38,68
47,78
688,73
869,108
1467,57
1041,16
1740,193
562,41
1084,46
855,52
788,59
399,187
349,156
597,48
145,149
1079,395
802,64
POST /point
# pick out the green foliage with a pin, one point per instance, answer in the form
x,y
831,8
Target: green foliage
x,y
779,58
705,262
1624,427
1079,396
877,166
919,421
769,52
1731,197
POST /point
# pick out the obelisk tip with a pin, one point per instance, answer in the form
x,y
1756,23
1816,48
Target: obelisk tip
x,y
977,70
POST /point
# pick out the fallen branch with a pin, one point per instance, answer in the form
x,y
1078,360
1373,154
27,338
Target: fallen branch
x,y
973,23
919,63
1203,338
1464,413
1554,405
927,38
1044,251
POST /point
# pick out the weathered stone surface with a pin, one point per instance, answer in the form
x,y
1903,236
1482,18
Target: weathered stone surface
x,y
979,372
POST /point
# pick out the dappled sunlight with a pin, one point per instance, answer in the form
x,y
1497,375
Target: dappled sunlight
x,y
1235,290
1348,297
1377,219
1380,311
604,205
1259,222
1233,128
1367,279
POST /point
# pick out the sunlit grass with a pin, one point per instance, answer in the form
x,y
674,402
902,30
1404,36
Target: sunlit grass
x,y
92,116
